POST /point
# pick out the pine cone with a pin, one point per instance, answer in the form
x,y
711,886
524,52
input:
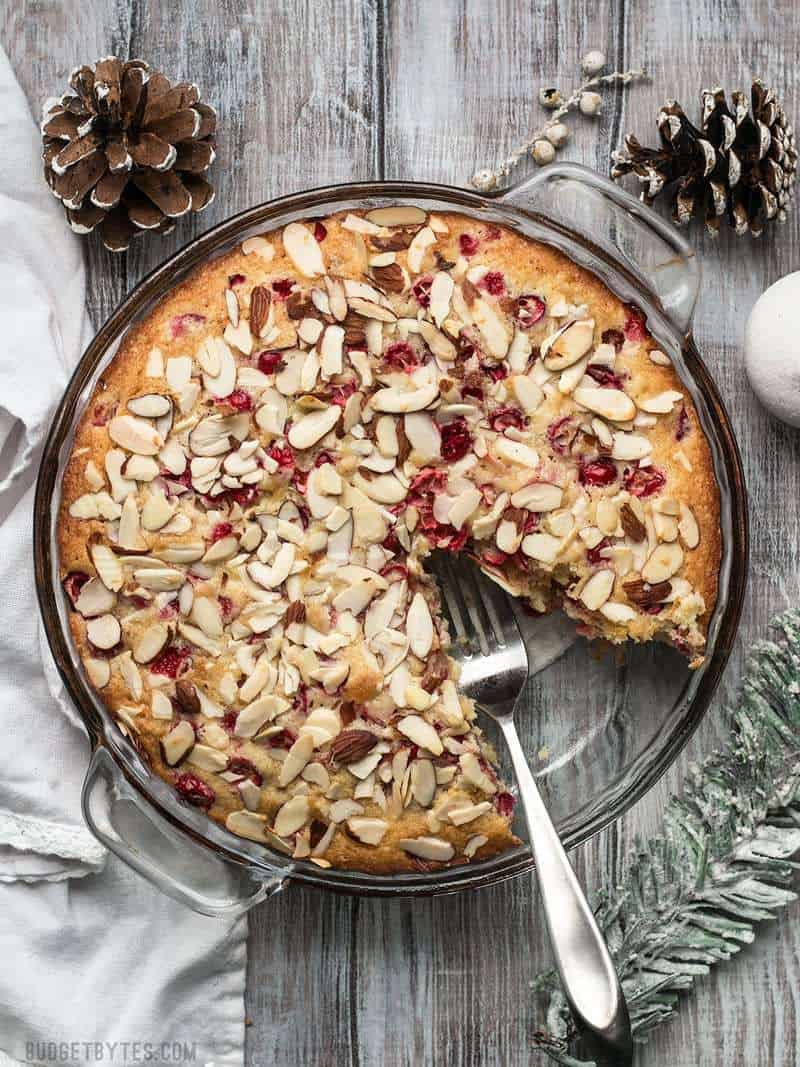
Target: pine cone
x,y
126,150
741,165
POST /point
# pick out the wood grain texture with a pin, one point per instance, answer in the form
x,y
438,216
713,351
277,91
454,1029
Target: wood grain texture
x,y
312,93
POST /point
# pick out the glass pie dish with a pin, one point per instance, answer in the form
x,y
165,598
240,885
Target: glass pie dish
x,y
599,726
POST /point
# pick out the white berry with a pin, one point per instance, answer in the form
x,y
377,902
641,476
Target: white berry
x,y
772,349
590,103
593,62
543,152
550,98
557,134
484,179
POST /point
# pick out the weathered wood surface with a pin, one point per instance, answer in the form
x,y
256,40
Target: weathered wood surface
x,y
311,93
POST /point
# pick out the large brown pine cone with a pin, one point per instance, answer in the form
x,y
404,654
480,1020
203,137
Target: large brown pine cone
x,y
126,150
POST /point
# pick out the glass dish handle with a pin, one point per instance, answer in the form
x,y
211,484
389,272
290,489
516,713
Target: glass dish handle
x,y
167,857
594,207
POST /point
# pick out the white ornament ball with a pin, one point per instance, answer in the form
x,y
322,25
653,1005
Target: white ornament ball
x,y
772,349
590,103
557,134
543,152
593,62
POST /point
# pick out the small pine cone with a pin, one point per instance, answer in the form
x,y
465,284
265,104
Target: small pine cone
x,y
126,150
741,165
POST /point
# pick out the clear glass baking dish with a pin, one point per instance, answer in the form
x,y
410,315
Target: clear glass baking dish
x,y
599,727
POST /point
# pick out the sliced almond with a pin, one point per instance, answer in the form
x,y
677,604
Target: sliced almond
x,y
292,816
492,327
688,528
313,427
423,436
598,589
419,626
423,782
418,730
135,435
330,351
109,568
663,562
611,404
296,759
541,546
440,296
94,599
370,309
398,401
538,496
630,446
104,632
661,403
468,812
151,642
397,215
428,848
614,611
370,831
150,405
529,395
416,250
303,249
220,381
516,452
177,743
568,345
157,511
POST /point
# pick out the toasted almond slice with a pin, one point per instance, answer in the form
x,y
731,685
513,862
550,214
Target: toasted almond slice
x,y
659,357
275,575
661,404
371,310
397,401
464,506
428,848
538,496
206,615
179,373
296,759
109,568
568,344
516,452
571,377
330,351
423,782
441,293
247,824
468,813
441,346
207,758
598,589
630,446
611,404
419,626
423,436
259,246
177,743
104,631
541,546
397,215
150,405
312,428
292,816
418,730
151,641
370,831
303,249
129,532
665,526
614,611
663,562
384,489
492,328
94,599
135,435
221,382
519,353
688,528
159,579
157,511
529,395
416,250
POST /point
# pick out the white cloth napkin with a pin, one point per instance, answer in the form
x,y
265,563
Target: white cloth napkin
x,y
90,955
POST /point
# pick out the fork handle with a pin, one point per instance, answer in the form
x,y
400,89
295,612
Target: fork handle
x,y
584,964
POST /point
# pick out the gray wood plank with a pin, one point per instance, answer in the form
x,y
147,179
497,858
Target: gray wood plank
x,y
309,94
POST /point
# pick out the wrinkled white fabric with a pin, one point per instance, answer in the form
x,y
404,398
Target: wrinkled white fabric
x,y
92,959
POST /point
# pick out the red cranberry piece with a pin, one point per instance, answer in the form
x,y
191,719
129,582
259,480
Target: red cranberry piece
x,y
504,802
320,233
195,790
683,424
242,765
394,569
73,583
324,457
171,661
285,739
613,337
502,418
169,611
390,542
561,434
492,233
422,290
604,376
239,399
222,529
181,325
227,608
456,439
530,309
494,557
236,279
594,554
429,480
228,720
340,394
283,456
644,481
496,371
468,244
531,522
283,288
601,471
400,356
270,362
493,282
102,414
635,327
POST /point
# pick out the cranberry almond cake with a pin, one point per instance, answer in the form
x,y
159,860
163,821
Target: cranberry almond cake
x,y
268,460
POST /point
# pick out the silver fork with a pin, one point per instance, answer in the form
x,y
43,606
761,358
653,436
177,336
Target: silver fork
x,y
494,667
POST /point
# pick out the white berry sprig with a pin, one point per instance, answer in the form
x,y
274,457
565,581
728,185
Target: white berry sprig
x,y
542,144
